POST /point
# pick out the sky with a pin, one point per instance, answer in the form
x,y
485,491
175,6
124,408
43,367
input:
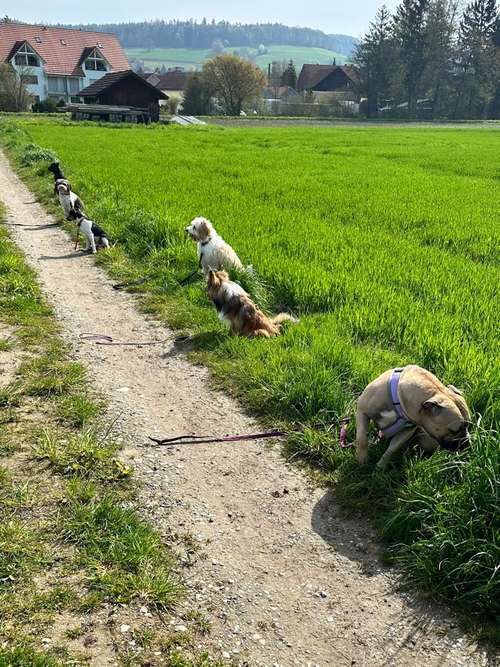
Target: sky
x,y
349,18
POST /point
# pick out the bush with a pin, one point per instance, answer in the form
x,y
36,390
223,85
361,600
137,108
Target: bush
x,y
45,106
34,153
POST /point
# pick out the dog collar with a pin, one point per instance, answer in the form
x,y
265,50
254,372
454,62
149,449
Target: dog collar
x,y
204,243
402,420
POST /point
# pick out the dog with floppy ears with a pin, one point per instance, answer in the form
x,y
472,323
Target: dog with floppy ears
x,y
69,200
91,231
237,310
407,402
213,252
59,177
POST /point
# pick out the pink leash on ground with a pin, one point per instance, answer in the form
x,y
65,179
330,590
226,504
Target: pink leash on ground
x,y
343,434
204,439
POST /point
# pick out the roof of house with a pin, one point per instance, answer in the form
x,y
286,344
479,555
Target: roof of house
x,y
111,79
61,57
311,75
173,80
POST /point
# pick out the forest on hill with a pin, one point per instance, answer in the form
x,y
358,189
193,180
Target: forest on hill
x,y
202,35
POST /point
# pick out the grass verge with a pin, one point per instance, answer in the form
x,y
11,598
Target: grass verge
x,y
77,562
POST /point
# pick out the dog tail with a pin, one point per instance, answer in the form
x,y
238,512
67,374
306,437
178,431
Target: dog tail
x,y
284,317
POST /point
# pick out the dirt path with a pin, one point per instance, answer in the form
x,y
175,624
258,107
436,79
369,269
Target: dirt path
x,y
285,580
336,123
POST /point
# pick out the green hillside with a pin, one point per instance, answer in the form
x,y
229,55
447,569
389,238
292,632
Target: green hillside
x,y
194,58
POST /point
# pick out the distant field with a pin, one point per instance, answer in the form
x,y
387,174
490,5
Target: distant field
x,y
194,58
385,241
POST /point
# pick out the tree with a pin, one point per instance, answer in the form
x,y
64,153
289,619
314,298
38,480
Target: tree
x,y
410,32
196,100
495,105
276,73
233,81
14,95
217,46
437,78
477,58
290,76
374,57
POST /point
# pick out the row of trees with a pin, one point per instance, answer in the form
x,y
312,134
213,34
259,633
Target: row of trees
x,y
431,56
204,34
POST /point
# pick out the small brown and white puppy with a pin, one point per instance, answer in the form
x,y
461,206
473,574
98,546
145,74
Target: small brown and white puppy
x,y
213,252
414,404
237,310
68,199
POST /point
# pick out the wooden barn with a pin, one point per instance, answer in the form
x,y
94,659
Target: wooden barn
x,y
120,96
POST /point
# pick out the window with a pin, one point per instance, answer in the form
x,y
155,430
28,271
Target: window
x,y
57,84
28,79
63,42
26,57
99,45
96,62
38,40
73,86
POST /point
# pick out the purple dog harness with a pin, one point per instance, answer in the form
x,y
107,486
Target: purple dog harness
x,y
402,420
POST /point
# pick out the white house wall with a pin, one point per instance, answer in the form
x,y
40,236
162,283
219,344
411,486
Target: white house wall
x,y
41,89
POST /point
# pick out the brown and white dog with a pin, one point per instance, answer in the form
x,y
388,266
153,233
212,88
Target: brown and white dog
x,y
68,199
409,402
237,310
213,252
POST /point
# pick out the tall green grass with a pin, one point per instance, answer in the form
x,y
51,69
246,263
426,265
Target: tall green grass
x,y
385,242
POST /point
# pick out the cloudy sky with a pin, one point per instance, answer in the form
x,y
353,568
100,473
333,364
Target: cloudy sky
x,y
343,16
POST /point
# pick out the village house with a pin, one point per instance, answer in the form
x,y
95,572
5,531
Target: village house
x,y
59,62
172,83
332,81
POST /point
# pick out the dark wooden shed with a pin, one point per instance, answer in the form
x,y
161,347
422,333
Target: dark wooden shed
x,y
125,89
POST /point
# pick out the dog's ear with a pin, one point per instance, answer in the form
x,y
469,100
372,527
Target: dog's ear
x,y
455,390
432,406
203,229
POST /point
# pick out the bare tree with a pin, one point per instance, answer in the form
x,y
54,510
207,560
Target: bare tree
x,y
233,81
14,95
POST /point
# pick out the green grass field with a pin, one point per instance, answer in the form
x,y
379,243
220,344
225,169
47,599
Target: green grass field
x,y
384,241
194,58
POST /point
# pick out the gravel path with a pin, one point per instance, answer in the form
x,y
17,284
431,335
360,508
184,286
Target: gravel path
x,y
283,577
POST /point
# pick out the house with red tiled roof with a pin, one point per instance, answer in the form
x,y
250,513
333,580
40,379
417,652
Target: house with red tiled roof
x,y
59,62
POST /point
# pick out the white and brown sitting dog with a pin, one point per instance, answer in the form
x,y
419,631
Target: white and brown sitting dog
x,y
237,310
95,236
213,252
68,199
407,402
